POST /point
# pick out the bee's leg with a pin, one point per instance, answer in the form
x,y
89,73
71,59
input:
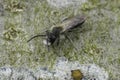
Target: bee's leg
x,y
47,46
58,48
64,19
71,42
58,40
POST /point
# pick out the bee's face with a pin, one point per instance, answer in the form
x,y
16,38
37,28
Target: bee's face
x,y
46,42
50,38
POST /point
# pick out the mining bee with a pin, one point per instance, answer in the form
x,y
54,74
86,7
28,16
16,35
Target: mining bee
x,y
52,36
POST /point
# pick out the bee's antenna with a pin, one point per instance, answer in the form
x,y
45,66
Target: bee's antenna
x,y
35,37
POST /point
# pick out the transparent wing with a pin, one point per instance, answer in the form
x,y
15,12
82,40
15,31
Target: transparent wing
x,y
73,23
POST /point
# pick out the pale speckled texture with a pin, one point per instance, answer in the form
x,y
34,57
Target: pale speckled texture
x,y
65,3
61,71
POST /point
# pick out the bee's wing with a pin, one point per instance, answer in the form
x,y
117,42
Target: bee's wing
x,y
73,23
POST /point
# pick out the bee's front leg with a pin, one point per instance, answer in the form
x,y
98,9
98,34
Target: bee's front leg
x,y
58,41
48,47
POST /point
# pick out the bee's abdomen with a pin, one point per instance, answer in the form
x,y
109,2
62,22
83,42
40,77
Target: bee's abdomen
x,y
72,23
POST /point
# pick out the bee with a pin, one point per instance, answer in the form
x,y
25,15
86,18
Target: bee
x,y
52,35
76,74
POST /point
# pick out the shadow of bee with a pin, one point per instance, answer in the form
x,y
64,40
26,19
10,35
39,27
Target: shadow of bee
x,y
52,36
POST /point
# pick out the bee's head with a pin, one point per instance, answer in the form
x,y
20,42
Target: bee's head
x,y
52,35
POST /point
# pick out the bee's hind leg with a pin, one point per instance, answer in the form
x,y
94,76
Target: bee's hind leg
x,y
70,41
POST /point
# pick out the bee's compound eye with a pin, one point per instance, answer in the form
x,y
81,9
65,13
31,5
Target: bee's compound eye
x,y
46,43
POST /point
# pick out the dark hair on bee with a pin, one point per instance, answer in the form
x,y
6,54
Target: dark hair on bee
x,y
53,35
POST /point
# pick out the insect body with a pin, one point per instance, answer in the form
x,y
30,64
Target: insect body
x,y
53,35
